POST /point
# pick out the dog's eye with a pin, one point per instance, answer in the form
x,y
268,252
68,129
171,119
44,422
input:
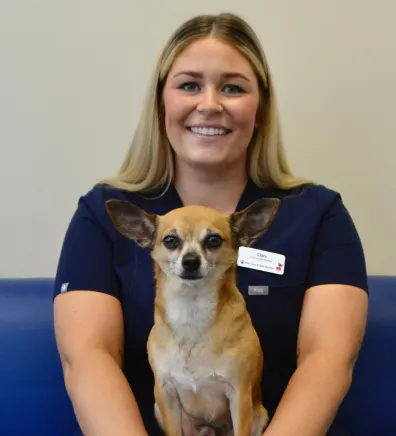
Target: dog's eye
x,y
171,242
213,241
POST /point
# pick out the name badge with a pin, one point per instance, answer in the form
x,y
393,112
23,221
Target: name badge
x,y
261,260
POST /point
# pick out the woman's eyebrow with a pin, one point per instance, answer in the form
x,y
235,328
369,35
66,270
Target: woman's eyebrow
x,y
198,75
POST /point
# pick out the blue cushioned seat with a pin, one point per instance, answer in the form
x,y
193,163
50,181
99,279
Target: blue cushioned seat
x,y
33,398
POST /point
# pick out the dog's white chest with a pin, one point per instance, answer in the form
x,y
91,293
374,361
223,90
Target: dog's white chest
x,y
190,313
188,364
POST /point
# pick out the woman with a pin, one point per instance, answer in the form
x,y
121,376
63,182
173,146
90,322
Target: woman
x,y
209,135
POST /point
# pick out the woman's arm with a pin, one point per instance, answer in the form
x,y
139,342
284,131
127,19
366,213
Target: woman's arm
x,y
89,334
332,327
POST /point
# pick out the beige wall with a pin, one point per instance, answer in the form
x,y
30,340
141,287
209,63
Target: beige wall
x,y
72,75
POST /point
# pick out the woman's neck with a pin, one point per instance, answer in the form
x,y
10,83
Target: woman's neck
x,y
221,190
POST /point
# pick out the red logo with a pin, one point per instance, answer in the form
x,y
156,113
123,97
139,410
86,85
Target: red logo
x,y
279,267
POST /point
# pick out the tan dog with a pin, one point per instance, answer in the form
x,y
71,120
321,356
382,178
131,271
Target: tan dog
x,y
203,349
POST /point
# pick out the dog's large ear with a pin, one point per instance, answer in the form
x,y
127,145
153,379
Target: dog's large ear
x,y
248,224
133,222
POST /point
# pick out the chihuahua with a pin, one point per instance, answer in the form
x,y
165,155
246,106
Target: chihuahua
x,y
203,349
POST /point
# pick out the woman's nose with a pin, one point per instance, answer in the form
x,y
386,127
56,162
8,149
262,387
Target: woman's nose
x,y
209,101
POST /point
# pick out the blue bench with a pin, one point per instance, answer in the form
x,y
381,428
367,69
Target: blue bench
x,y
33,399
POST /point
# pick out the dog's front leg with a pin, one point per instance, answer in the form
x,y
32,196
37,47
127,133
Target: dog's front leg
x,y
169,408
241,409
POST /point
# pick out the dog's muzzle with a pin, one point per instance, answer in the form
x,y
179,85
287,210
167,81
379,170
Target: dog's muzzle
x,y
191,264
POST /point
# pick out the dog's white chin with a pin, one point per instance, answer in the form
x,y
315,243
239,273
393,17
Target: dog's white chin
x,y
191,282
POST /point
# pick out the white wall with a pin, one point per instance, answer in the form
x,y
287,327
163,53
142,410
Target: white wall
x,y
72,74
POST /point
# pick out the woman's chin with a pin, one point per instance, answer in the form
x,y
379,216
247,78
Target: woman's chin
x,y
212,163
207,162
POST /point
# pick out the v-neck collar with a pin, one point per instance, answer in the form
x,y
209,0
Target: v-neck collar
x,y
250,193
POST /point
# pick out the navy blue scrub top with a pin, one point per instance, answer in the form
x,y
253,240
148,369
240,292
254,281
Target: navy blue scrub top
x,y
312,229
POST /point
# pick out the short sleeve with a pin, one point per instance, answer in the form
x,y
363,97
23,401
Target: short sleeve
x,y
338,256
86,258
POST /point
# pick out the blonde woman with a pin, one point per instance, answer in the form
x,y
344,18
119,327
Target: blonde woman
x,y
209,134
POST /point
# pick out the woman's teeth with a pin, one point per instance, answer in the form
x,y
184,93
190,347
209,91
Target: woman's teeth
x,y
209,131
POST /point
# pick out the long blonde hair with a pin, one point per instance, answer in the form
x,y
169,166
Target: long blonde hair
x,y
149,160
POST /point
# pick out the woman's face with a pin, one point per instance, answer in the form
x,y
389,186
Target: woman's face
x,y
211,98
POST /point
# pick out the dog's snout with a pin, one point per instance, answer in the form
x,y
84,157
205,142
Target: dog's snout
x,y
191,262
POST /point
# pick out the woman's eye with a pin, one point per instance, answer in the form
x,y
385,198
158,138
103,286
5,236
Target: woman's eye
x,y
190,86
194,87
213,241
171,242
232,89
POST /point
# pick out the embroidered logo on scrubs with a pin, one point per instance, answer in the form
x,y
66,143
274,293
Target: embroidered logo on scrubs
x,y
64,287
258,290
261,260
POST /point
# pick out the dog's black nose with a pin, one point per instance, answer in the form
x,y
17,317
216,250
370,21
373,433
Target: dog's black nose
x,y
191,262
